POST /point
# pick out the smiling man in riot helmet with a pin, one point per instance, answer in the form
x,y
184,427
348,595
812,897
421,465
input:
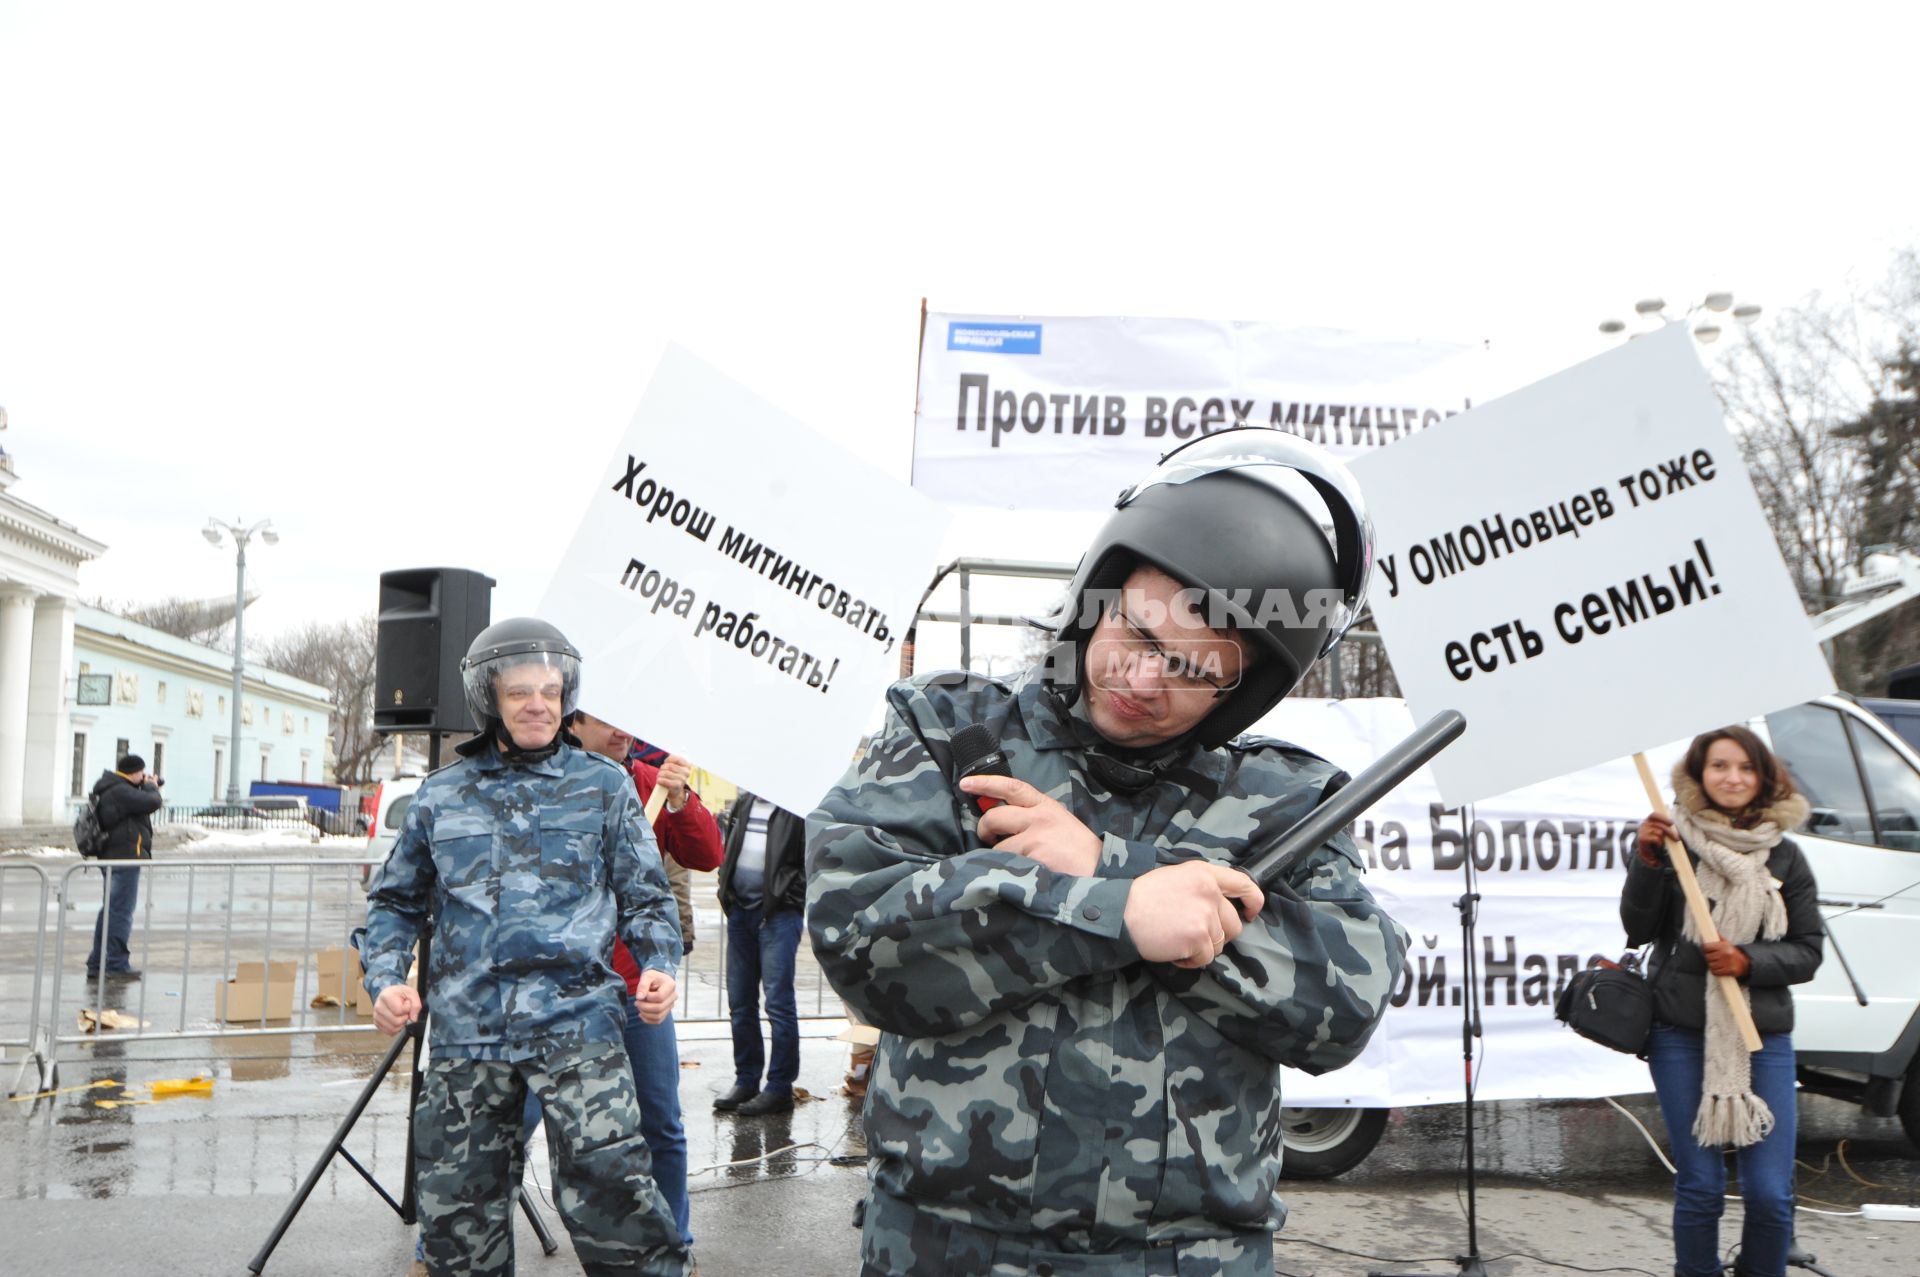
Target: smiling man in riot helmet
x,y
531,853
1086,1008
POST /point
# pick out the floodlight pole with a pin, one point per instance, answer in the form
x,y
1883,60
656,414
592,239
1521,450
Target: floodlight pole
x,y
241,534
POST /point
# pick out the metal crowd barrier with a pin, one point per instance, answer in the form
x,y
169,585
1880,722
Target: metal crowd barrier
x,y
25,895
196,922
703,976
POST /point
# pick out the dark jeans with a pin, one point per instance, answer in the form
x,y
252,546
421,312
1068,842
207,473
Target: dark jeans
x,y
760,953
1675,1057
122,892
655,1052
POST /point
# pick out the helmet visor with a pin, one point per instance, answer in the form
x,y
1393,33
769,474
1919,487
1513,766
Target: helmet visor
x,y
493,680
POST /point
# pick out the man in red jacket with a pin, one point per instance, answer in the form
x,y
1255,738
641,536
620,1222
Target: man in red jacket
x,y
689,837
695,849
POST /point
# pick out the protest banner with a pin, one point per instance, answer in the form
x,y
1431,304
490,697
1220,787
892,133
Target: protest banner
x,y
1061,414
738,586
1582,569
1549,858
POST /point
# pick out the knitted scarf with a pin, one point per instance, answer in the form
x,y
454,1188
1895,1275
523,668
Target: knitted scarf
x,y
1746,905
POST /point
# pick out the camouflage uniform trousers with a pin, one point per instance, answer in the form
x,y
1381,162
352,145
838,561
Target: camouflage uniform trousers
x,y
467,1141
898,1240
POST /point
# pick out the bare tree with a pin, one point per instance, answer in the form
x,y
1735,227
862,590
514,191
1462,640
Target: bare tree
x,y
338,655
1887,437
1365,669
1807,397
1786,390
205,621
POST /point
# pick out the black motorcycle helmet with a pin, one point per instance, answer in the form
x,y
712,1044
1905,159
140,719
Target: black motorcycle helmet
x,y
1236,515
519,640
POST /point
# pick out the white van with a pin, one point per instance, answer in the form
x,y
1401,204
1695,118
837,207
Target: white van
x,y
1863,842
390,803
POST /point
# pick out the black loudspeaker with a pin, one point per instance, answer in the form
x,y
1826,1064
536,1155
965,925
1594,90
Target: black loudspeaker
x,y
428,617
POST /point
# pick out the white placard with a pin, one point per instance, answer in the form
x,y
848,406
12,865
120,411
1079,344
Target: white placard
x,y
1549,861
1061,414
738,586
1582,569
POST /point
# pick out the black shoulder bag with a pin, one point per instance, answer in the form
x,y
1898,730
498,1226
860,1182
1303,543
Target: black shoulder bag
x,y
1611,1004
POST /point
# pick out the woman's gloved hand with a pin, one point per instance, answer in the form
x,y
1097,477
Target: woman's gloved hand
x,y
1651,841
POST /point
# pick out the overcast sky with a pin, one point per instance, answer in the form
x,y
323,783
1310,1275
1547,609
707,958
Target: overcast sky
x,y
395,275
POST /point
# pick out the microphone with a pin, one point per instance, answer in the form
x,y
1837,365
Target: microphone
x,y
976,752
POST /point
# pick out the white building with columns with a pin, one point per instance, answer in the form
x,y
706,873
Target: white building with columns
x,y
40,558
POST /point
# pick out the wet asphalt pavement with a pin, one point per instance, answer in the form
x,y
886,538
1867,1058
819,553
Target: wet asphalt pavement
x,y
194,1185
109,1179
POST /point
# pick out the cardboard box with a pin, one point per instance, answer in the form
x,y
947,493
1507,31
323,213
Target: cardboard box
x,y
342,976
259,987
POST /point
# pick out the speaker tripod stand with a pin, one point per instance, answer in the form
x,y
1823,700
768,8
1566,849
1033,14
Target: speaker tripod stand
x,y
407,1208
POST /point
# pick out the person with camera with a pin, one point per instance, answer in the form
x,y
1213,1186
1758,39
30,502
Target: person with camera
x,y
1734,805
125,800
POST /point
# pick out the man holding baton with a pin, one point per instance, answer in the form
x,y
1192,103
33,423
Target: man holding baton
x,y
1085,1004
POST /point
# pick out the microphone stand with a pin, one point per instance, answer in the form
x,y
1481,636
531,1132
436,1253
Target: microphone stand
x,y
1271,867
1469,1264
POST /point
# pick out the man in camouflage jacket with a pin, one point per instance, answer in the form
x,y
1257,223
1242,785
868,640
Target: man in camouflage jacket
x,y
529,852
1083,1030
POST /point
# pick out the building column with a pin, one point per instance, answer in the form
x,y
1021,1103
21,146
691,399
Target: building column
x,y
16,656
49,727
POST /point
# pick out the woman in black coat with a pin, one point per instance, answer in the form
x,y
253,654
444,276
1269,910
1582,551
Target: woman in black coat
x,y
1733,805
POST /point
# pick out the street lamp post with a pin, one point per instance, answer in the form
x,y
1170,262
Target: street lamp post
x,y
241,534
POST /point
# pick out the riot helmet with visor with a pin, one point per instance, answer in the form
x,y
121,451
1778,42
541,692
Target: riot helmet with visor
x,y
1269,534
510,644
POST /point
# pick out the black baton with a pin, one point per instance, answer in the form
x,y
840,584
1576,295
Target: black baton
x,y
1360,793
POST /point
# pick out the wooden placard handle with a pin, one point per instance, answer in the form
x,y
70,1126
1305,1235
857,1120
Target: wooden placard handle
x,y
1697,906
658,799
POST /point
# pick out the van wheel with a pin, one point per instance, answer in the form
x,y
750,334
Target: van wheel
x,y
1910,1102
1323,1143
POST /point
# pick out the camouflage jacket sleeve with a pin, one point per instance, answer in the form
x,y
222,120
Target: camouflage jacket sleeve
x,y
924,934
649,919
399,900
1306,982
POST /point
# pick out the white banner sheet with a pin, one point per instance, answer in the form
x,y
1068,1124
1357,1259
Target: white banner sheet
x,y
1582,569
739,586
1549,861
1061,414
